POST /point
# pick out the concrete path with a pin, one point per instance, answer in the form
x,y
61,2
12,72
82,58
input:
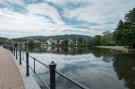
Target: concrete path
x,y
29,82
120,48
10,77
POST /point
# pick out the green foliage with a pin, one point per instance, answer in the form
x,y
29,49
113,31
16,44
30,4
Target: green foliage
x,y
65,43
4,41
124,34
97,40
80,41
30,43
130,17
107,38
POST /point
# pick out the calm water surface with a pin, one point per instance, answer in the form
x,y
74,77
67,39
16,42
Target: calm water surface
x,y
95,68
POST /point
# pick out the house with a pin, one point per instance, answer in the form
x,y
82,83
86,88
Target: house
x,y
51,42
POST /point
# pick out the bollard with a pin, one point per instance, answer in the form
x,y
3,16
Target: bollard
x,y
16,54
20,62
52,67
27,64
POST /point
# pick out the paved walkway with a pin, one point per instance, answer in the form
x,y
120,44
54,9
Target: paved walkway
x,y
120,48
10,77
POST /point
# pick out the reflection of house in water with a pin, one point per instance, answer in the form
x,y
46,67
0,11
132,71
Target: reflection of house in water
x,y
49,49
54,49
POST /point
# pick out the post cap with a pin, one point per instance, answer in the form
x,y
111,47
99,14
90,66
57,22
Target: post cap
x,y
52,63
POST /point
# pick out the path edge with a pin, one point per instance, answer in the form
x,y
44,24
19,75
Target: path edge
x,y
29,82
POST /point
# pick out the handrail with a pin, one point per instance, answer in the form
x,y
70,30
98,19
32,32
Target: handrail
x,y
44,83
39,61
63,75
73,81
51,69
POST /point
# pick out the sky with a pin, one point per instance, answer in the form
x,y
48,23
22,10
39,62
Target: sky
x,y
19,18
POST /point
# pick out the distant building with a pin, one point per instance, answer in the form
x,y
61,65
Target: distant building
x,y
36,41
51,42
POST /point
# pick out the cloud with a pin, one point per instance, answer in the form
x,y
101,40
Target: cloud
x,y
46,10
101,12
16,25
20,23
53,17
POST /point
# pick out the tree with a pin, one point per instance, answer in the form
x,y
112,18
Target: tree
x,y
58,42
124,34
65,43
107,38
80,41
74,42
130,17
106,32
97,40
30,43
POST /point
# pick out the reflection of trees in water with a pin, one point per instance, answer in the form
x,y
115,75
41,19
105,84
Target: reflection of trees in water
x,y
60,50
71,50
101,52
124,65
107,54
97,52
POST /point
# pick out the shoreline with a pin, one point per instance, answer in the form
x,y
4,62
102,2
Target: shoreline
x,y
120,48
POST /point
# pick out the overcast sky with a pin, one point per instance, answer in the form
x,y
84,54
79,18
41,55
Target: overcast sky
x,y
56,17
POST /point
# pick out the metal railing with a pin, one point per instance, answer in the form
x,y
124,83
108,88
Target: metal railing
x,y
51,67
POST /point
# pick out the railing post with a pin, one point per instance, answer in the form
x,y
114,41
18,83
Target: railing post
x,y
52,67
34,67
20,62
27,64
16,54
14,50
11,49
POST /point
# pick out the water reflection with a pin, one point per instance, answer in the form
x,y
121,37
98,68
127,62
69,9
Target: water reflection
x,y
93,67
71,50
124,65
59,50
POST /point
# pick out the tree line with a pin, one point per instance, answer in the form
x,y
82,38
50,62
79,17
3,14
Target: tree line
x,y
123,35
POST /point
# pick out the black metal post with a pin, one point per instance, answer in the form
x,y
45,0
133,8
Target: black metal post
x,y
34,67
20,62
52,67
14,51
11,49
27,64
16,54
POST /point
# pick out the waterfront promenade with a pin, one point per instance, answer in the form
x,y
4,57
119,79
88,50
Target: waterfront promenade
x,y
10,77
120,48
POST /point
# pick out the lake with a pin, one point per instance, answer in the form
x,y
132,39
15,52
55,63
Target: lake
x,y
93,67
